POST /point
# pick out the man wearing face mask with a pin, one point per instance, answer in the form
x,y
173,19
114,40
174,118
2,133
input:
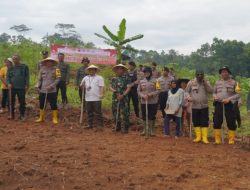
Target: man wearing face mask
x,y
226,93
148,90
198,90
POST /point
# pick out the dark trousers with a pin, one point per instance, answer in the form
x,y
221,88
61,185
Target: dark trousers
x,y
134,96
152,110
80,92
5,98
163,97
63,88
94,108
200,117
237,114
167,127
229,115
51,98
20,93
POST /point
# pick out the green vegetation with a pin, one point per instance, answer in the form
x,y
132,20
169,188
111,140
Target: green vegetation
x,y
208,57
119,41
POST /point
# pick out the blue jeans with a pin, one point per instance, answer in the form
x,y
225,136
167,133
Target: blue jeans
x,y
178,124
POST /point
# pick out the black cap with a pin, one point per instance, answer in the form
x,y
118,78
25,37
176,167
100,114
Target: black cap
x,y
60,53
154,63
85,60
132,63
199,71
225,68
166,69
147,69
45,52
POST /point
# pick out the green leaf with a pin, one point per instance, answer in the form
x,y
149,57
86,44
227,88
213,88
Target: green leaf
x,y
129,48
122,30
101,36
111,43
110,34
137,37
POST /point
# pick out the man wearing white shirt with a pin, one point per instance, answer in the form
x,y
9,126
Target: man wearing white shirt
x,y
94,87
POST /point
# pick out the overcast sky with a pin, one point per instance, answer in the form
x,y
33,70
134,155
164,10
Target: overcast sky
x,y
182,25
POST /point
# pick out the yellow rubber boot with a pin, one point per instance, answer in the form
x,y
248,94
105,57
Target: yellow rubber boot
x,y
231,137
55,116
217,136
197,134
41,116
204,132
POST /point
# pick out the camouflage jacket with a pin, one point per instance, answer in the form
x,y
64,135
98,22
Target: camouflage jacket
x,y
120,84
80,75
64,69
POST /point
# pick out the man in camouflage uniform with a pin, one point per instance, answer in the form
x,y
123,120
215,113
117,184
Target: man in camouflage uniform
x,y
45,54
64,81
164,82
226,93
120,86
81,73
49,77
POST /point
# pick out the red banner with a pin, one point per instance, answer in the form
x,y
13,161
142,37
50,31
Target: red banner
x,y
75,55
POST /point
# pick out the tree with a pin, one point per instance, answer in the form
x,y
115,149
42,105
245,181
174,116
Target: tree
x,y
66,35
119,40
20,29
5,38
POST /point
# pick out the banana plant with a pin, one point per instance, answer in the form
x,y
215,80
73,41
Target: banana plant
x,y
119,40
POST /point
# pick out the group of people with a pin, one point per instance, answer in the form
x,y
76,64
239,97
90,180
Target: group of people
x,y
147,87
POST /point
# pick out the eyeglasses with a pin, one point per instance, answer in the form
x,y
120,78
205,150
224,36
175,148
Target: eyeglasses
x,y
199,74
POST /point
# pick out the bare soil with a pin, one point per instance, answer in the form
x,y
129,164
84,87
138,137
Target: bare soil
x,y
43,156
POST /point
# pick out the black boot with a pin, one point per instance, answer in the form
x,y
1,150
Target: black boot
x,y
125,130
118,128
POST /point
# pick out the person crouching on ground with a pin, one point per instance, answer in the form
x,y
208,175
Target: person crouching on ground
x,y
174,109
49,77
148,91
93,86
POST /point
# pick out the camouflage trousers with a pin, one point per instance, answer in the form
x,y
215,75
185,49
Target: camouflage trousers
x,y
123,110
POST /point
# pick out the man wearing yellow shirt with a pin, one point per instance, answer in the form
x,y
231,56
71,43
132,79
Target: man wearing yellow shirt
x,y
3,74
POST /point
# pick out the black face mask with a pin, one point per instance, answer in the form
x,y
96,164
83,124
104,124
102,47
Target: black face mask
x,y
149,77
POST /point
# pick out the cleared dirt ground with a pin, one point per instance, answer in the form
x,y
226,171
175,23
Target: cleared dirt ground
x,y
42,156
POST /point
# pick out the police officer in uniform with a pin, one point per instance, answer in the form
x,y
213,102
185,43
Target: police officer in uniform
x,y
226,93
198,90
164,82
49,77
148,90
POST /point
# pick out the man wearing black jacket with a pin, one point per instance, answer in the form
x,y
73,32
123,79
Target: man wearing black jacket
x,y
18,83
